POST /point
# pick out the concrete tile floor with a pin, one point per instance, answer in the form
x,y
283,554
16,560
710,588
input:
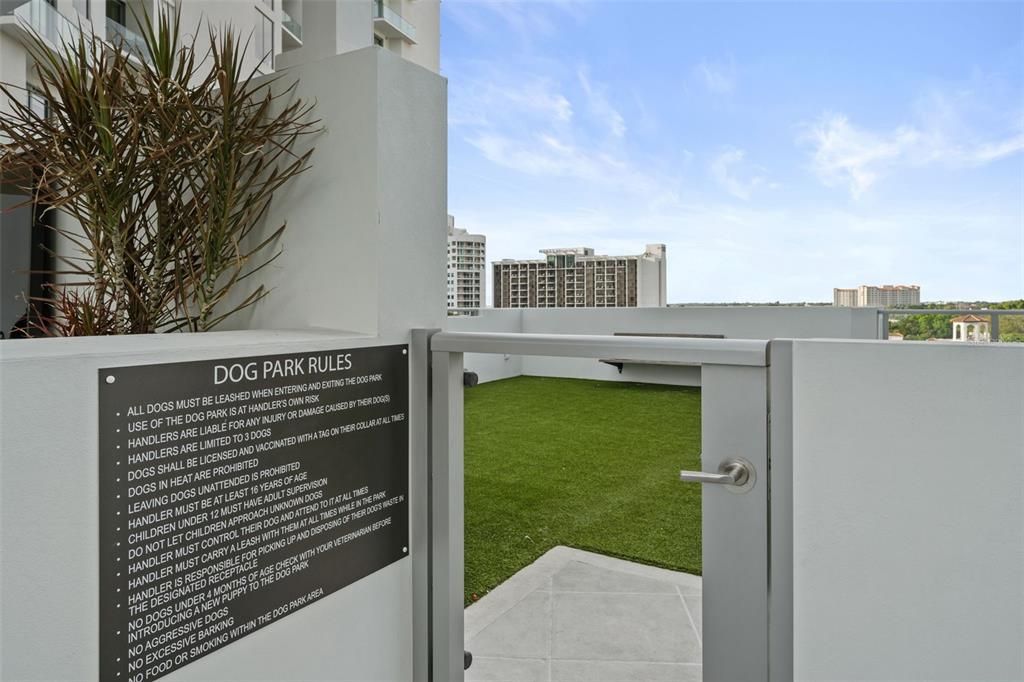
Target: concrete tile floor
x,y
574,615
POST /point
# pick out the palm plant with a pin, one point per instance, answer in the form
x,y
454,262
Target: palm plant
x,y
168,162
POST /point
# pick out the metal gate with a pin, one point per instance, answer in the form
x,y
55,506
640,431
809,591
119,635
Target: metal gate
x,y
734,459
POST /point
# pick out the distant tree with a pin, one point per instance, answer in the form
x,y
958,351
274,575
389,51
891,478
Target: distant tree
x,y
923,327
1011,328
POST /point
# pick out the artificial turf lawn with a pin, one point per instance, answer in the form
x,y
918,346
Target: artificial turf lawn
x,y
587,464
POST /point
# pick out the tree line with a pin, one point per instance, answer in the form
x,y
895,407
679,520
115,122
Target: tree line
x,y
924,326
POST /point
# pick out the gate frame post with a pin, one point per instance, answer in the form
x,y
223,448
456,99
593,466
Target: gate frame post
x,y
447,542
735,526
419,498
780,510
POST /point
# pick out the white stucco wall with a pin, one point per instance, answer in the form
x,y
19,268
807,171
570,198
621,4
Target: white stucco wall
x,y
908,511
425,15
13,62
366,224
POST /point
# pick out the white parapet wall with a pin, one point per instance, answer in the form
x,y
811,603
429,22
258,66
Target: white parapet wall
x,y
731,322
491,367
907,510
49,526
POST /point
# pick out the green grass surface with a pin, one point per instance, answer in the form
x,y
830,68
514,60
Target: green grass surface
x,y
587,464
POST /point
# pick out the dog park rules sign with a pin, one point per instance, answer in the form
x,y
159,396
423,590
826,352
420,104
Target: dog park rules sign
x,y
235,492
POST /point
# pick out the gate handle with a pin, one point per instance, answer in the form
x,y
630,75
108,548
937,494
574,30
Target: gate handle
x,y
736,473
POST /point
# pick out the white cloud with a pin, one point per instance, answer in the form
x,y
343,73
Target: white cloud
x,y
718,77
993,151
541,119
734,176
490,98
844,154
525,20
545,154
600,107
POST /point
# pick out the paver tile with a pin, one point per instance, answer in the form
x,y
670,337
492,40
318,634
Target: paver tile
x,y
577,576
695,604
622,627
619,671
507,670
523,631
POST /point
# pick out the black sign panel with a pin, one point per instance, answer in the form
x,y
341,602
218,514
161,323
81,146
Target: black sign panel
x,y
234,492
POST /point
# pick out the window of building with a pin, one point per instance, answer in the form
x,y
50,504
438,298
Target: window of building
x,y
117,11
37,102
378,41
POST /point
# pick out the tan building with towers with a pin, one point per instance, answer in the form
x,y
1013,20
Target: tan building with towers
x,y
578,278
885,296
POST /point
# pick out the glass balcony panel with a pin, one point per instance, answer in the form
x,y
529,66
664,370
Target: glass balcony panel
x,y
41,18
122,37
291,26
391,24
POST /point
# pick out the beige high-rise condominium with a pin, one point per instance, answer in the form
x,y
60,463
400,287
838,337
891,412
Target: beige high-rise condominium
x,y
885,296
577,278
467,259
845,298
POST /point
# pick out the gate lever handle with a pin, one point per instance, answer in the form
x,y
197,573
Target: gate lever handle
x,y
732,472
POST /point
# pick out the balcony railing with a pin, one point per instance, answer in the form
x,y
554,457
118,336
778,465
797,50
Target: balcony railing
x,y
124,38
39,17
42,19
391,24
291,26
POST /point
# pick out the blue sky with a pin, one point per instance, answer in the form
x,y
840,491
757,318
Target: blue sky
x,y
778,150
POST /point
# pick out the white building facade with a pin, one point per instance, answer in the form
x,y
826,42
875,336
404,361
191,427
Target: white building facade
x,y
467,259
280,34
283,32
577,278
885,296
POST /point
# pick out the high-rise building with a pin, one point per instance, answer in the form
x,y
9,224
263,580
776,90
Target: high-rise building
x,y
845,298
888,295
467,260
885,296
577,278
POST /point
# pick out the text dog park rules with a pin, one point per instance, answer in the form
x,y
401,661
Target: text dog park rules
x,y
233,492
